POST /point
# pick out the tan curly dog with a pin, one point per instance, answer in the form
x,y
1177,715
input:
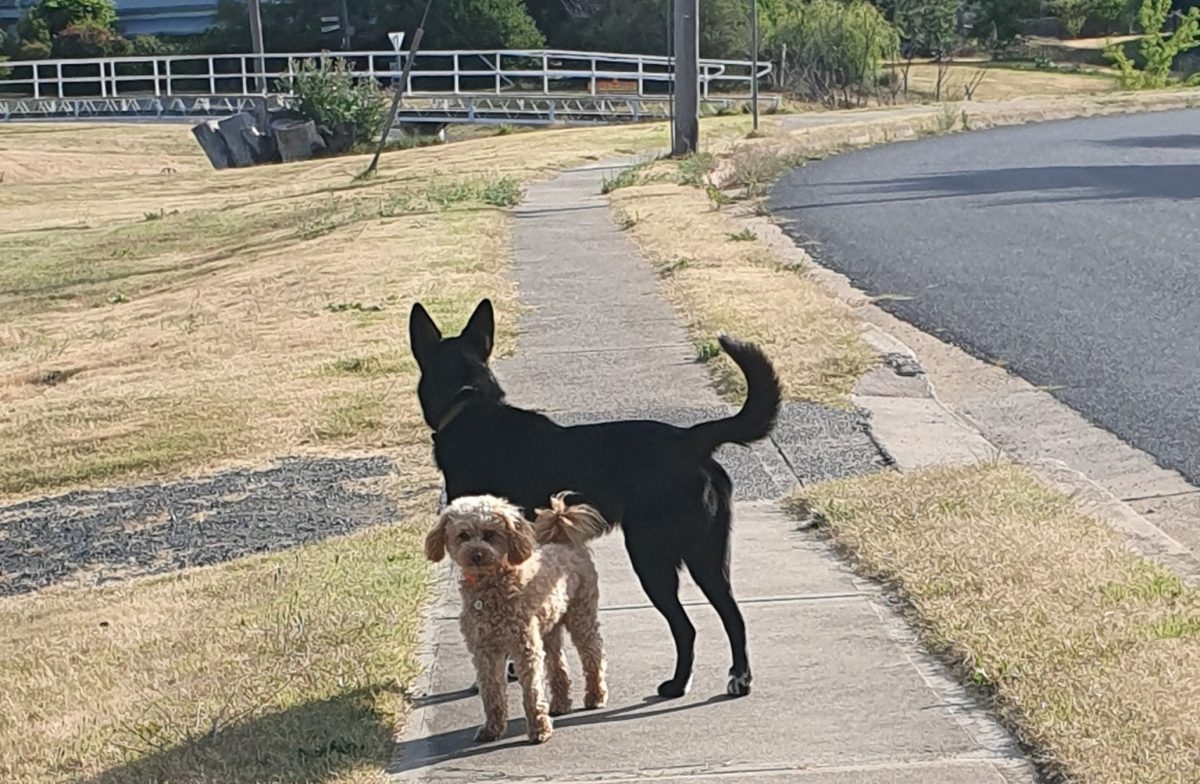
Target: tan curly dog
x,y
521,586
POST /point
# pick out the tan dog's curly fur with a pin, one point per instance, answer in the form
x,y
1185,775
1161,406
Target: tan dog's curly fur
x,y
517,599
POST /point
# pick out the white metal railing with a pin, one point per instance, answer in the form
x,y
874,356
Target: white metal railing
x,y
457,72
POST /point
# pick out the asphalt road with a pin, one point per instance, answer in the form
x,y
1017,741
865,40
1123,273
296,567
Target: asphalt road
x,y
1069,251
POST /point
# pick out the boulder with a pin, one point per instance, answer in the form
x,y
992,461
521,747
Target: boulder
x,y
208,134
297,140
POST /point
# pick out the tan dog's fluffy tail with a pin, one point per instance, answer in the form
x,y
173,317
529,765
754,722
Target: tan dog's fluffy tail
x,y
568,524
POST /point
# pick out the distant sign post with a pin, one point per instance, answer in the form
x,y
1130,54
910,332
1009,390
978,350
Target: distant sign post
x,y
397,40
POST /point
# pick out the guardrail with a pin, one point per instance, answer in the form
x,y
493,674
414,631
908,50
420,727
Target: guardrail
x,y
455,72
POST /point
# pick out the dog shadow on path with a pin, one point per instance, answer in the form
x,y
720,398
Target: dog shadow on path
x,y
460,744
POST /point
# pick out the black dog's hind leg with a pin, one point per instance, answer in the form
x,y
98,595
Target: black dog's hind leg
x,y
710,569
659,575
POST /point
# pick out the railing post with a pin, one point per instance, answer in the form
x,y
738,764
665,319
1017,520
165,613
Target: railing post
x,y
641,76
103,84
212,76
593,87
37,88
499,57
545,74
169,93
112,70
157,92
456,73
245,83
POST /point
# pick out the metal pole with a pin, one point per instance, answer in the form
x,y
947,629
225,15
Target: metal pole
x,y
346,31
256,43
754,60
687,78
671,70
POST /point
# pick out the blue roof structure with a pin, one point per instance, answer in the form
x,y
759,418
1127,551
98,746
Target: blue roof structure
x,y
142,17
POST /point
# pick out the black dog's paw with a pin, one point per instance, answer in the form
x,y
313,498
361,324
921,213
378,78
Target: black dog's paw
x,y
739,684
673,689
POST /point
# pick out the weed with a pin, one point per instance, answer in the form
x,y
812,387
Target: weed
x,y
745,235
717,197
504,192
947,119
694,169
352,307
624,179
707,351
627,220
118,299
676,265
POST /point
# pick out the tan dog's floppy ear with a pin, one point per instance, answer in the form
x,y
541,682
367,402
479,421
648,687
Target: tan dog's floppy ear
x,y
435,540
519,533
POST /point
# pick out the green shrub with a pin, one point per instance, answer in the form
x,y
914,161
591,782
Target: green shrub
x,y
328,92
89,39
1158,49
836,51
58,15
33,50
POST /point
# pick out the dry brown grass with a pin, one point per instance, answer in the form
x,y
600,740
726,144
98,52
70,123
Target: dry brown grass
x,y
1002,82
289,667
205,317
157,319
722,278
1092,653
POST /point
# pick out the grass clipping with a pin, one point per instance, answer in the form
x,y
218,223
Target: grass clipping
x,y
1092,653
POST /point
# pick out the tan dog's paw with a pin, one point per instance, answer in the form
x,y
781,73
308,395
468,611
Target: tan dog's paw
x,y
487,734
560,707
541,729
591,700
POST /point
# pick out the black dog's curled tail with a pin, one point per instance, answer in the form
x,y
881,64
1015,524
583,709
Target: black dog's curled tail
x,y
569,524
757,415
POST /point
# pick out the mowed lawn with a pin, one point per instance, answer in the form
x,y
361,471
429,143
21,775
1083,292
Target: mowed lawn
x,y
157,319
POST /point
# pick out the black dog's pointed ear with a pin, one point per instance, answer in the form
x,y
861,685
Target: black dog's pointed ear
x,y
423,334
481,329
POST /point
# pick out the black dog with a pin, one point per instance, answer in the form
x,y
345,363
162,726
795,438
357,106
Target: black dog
x,y
659,482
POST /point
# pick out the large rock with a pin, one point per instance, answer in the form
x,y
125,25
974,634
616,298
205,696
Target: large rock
x,y
242,138
297,140
338,139
235,141
208,134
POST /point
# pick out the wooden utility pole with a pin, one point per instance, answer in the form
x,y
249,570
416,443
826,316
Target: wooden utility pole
x,y
687,78
754,60
256,43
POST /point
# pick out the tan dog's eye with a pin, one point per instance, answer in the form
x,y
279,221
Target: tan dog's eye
x,y
488,536
464,536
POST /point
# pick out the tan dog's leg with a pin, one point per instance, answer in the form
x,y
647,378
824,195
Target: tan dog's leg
x,y
584,625
556,673
489,671
531,671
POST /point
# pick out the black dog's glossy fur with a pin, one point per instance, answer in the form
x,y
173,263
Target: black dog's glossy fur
x,y
659,482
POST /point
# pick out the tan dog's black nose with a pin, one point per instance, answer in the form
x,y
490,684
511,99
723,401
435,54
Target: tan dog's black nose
x,y
475,558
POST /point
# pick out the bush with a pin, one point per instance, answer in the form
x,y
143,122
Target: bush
x,y
33,50
836,52
58,15
1158,49
89,39
328,93
997,21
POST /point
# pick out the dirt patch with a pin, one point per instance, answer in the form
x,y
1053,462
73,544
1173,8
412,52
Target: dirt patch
x,y
96,537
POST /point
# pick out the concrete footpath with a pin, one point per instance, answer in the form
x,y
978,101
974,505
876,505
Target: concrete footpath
x,y
842,691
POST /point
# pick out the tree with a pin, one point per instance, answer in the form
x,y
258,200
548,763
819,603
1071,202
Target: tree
x,y
1073,14
58,15
836,51
929,28
1158,49
996,21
